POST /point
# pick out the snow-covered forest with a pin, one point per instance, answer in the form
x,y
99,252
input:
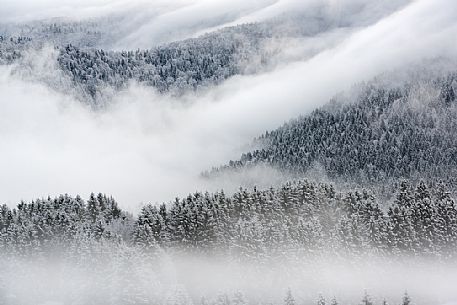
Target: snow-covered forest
x,y
298,219
196,152
384,133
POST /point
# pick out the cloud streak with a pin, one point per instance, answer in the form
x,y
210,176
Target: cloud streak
x,y
141,24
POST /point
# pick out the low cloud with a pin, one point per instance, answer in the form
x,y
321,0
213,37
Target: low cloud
x,y
125,274
147,147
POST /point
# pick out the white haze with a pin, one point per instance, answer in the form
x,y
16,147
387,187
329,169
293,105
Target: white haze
x,y
146,147
142,24
126,276
151,148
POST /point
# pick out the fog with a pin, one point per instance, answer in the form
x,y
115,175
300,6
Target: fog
x,y
147,147
128,277
141,24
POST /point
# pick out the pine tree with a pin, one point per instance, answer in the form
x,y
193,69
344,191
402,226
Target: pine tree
x,y
321,300
289,299
366,299
406,299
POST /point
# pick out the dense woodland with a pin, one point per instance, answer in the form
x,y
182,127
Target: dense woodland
x,y
174,68
381,136
177,67
184,65
300,218
303,218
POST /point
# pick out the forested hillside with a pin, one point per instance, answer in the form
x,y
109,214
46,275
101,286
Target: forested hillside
x,y
385,133
176,67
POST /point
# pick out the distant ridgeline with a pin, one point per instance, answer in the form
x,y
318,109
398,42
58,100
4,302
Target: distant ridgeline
x,y
295,220
386,134
59,32
175,67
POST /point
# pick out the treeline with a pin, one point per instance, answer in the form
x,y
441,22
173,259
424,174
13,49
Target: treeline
x,y
239,299
87,33
303,218
384,134
297,219
48,224
81,33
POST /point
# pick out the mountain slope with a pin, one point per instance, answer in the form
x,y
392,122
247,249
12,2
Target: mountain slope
x,y
385,134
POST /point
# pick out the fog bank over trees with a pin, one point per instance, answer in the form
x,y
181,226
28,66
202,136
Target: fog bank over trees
x,y
215,152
